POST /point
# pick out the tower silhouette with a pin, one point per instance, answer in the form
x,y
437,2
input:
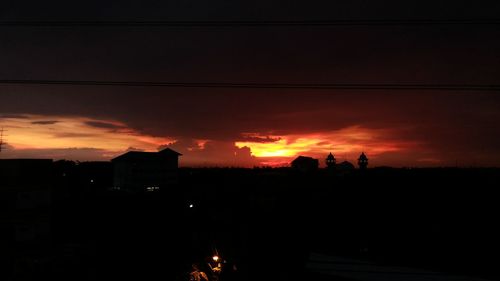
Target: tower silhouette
x,y
331,161
363,161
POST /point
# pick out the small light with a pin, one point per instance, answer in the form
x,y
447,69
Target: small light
x,y
216,258
91,181
191,206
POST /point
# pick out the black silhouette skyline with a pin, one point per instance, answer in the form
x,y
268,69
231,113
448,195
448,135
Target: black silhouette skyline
x,y
142,217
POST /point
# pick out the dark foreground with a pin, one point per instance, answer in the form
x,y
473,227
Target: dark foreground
x,y
270,224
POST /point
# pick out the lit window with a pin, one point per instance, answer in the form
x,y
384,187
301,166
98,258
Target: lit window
x,y
152,188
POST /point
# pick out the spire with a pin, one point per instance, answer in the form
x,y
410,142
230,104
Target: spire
x,y
363,161
331,161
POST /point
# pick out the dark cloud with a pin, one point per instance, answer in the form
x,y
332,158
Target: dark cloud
x,y
134,149
49,122
104,125
213,153
258,138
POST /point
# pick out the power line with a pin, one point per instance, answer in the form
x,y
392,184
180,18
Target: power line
x,y
305,23
277,86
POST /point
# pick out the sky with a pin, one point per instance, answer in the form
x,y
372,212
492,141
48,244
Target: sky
x,y
252,127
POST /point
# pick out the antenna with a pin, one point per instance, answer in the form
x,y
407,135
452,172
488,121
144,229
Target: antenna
x,y
2,143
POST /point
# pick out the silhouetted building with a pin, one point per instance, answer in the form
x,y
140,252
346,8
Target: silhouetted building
x,y
305,164
331,161
345,166
146,171
363,161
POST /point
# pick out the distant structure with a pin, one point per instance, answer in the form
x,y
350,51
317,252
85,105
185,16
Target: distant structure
x,y
345,166
331,161
145,171
305,164
363,161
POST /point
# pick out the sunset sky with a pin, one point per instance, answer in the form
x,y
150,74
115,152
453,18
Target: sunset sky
x,y
252,127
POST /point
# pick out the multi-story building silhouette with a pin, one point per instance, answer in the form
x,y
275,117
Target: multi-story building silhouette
x,y
146,171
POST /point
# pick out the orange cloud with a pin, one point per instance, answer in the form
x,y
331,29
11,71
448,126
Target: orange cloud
x,y
346,143
57,132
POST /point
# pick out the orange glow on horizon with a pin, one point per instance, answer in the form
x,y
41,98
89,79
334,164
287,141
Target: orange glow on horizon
x,y
76,138
346,143
56,132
